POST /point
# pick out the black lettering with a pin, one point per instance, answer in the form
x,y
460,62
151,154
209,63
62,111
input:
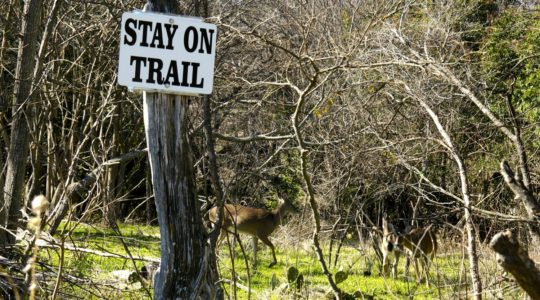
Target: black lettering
x,y
172,73
194,41
185,70
170,34
146,26
154,68
158,36
206,41
194,76
131,32
138,60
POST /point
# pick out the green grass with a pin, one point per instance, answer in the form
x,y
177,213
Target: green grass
x,y
316,286
142,241
449,273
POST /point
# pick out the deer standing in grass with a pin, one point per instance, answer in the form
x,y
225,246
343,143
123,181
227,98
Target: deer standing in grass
x,y
389,249
418,243
256,222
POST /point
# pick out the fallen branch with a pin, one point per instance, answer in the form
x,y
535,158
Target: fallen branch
x,y
516,261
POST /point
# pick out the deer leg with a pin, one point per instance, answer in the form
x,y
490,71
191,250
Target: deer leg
x,y
254,245
267,242
425,268
407,264
395,264
416,270
385,264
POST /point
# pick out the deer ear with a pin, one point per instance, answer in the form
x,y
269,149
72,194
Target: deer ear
x,y
385,225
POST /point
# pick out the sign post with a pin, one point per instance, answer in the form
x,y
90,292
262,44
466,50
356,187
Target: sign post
x,y
168,57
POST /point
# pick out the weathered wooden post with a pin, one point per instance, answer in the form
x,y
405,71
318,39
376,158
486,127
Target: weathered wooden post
x,y
167,57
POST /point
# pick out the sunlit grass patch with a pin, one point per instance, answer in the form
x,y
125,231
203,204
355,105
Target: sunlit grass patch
x,y
449,275
95,263
449,272
141,240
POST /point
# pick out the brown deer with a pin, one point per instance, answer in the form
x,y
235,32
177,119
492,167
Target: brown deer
x,y
256,222
419,243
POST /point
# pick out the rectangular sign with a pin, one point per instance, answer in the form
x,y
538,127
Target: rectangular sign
x,y
166,53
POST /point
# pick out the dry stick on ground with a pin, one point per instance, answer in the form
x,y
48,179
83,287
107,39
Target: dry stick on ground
x,y
515,260
11,275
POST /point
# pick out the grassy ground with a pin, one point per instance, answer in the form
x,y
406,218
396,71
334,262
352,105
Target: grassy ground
x,y
96,275
449,273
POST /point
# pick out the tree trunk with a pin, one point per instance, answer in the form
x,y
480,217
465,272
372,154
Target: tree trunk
x,y
185,271
19,148
311,191
184,251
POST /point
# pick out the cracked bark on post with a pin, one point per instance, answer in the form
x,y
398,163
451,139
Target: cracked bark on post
x,y
185,271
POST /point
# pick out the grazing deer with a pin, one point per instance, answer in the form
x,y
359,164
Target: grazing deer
x,y
256,222
419,243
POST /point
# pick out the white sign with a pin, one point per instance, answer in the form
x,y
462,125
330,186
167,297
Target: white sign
x,y
166,53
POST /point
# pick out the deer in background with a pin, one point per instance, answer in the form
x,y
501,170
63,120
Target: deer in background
x,y
389,249
419,243
256,222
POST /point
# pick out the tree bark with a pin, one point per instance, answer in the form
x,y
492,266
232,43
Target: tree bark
x,y
19,142
516,261
185,271
184,252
